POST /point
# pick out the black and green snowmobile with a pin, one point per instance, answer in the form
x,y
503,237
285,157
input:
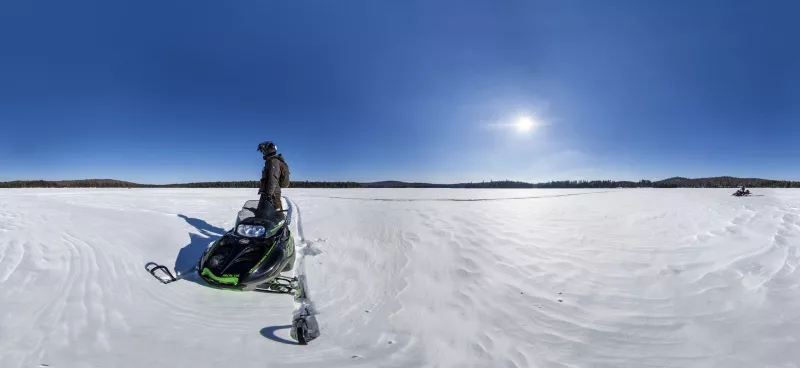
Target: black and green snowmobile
x,y
251,257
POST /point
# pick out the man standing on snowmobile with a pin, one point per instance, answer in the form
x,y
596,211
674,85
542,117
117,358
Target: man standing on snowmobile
x,y
274,177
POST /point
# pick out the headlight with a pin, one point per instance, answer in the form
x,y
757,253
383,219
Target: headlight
x,y
251,231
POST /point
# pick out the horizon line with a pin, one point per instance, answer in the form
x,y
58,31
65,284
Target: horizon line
x,y
407,182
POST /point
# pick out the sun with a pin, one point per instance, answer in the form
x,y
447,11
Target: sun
x,y
525,124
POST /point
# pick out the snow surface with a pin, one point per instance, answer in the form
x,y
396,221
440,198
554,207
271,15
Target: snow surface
x,y
410,278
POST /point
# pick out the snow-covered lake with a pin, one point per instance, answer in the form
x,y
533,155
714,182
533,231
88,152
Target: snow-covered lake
x,y
410,278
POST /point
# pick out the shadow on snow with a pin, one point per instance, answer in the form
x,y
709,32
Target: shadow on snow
x,y
189,255
269,332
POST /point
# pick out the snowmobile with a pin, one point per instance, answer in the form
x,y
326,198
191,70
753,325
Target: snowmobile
x,y
251,257
741,193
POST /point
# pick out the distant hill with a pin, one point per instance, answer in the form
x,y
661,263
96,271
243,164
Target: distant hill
x,y
675,182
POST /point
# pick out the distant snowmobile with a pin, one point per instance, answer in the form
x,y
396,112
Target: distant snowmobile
x,y
741,193
251,257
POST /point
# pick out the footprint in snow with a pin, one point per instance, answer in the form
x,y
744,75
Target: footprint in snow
x,y
309,250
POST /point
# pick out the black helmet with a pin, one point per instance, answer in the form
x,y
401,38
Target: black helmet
x,y
267,148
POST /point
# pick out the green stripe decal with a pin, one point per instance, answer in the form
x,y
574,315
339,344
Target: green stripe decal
x,y
230,280
274,229
264,257
290,247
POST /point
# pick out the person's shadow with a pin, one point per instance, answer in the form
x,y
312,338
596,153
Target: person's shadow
x,y
189,254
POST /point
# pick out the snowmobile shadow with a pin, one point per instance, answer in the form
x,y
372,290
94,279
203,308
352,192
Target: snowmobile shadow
x,y
269,332
203,227
190,253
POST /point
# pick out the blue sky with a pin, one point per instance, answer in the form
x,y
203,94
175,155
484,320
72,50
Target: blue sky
x,y
157,92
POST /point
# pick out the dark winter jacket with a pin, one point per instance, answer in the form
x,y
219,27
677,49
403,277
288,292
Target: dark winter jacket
x,y
274,177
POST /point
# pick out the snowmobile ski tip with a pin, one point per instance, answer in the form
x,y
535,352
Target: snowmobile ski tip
x,y
152,267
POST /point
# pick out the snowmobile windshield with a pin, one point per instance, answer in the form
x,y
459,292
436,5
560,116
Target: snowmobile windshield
x,y
269,215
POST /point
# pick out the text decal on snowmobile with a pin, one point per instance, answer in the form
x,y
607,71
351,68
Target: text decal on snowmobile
x,y
225,279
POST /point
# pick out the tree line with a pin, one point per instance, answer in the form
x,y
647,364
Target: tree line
x,y
676,182
109,183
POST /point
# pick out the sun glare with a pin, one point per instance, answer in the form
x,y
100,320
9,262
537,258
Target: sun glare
x,y
525,124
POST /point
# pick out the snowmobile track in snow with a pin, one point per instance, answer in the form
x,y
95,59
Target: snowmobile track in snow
x,y
456,199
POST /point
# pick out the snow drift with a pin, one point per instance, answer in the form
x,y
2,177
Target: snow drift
x,y
410,278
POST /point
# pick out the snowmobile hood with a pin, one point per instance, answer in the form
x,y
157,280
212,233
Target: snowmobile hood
x,y
239,262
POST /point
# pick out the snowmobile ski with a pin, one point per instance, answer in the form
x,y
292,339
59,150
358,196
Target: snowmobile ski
x,y
304,324
152,267
279,285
